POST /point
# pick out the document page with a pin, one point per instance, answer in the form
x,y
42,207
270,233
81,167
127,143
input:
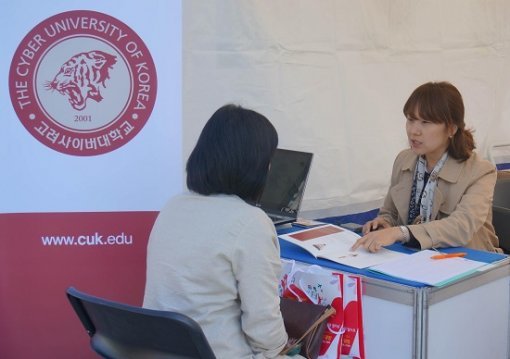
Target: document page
x,y
420,267
334,243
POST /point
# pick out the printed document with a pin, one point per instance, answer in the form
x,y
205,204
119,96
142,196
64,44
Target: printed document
x,y
420,267
334,243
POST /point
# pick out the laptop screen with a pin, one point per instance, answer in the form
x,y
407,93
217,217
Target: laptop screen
x,y
286,182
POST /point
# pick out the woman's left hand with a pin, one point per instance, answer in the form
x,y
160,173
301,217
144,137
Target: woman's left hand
x,y
373,241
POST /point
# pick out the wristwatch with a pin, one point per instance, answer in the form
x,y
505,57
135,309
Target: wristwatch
x,y
406,236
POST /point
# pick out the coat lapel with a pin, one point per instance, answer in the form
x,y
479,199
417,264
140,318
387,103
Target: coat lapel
x,y
450,173
401,193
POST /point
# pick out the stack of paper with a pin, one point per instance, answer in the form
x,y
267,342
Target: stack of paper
x,y
420,267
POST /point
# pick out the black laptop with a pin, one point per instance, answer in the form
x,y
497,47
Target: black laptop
x,y
285,185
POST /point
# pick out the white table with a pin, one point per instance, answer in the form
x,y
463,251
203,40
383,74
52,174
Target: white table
x,y
468,319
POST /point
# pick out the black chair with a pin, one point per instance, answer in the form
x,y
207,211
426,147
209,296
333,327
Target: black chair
x,y
501,212
121,331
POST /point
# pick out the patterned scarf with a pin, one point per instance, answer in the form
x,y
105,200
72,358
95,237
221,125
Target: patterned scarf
x,y
422,194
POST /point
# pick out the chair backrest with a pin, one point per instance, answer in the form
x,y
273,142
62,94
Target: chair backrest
x,y
499,154
502,192
501,222
119,330
501,212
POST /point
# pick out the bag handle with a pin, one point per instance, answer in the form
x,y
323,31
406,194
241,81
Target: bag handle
x,y
329,311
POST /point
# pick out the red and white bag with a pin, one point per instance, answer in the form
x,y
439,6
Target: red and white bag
x,y
343,337
353,336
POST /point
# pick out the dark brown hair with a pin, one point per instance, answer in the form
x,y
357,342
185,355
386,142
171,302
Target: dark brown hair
x,y
441,102
232,154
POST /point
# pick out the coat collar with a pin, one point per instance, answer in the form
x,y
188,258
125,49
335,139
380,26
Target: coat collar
x,y
450,172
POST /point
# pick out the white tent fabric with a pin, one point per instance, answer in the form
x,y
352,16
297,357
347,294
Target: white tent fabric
x,y
333,77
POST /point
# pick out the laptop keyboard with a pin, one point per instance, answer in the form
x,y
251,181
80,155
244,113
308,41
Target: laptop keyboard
x,y
275,217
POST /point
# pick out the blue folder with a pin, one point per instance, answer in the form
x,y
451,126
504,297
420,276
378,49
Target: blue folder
x,y
291,251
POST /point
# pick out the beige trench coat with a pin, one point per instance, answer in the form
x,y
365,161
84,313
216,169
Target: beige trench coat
x,y
462,205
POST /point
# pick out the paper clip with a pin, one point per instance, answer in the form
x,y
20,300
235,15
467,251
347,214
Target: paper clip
x,y
449,255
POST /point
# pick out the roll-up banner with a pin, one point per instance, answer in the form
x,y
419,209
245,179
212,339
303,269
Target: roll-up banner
x,y
90,151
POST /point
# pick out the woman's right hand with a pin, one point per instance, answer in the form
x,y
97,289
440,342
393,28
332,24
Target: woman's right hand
x,y
375,224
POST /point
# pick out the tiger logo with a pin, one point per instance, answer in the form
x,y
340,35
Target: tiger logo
x,y
81,76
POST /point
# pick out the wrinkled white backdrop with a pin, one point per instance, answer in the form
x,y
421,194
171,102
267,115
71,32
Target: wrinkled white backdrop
x,y
333,77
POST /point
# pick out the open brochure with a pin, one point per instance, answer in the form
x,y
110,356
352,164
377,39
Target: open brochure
x,y
334,243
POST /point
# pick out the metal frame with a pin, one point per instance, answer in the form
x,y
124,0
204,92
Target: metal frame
x,y
422,298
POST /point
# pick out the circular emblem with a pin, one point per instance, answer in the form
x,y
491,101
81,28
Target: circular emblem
x,y
83,83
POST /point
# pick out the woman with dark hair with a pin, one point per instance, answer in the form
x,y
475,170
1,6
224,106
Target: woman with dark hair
x,y
211,254
232,154
441,191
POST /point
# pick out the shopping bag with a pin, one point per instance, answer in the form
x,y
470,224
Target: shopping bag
x,y
332,337
343,335
353,336
313,284
288,266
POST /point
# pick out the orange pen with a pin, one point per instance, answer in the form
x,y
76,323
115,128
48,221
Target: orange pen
x,y
449,255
